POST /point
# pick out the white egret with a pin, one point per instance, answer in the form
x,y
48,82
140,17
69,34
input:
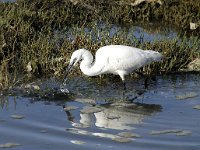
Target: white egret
x,y
115,59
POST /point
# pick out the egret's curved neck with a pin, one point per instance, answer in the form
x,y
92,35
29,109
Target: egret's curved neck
x,y
87,66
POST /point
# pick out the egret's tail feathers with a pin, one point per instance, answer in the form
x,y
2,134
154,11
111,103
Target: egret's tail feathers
x,y
158,57
155,56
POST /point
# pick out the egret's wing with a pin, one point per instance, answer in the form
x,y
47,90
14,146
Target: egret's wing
x,y
127,62
119,57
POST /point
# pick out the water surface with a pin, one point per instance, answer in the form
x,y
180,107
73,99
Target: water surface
x,y
160,117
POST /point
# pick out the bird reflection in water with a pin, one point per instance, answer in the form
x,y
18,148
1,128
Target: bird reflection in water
x,y
118,116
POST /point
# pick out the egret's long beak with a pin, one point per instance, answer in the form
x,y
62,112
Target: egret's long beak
x,y
68,70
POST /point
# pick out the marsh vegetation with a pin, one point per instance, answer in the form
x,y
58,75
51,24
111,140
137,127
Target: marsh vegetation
x,y
38,37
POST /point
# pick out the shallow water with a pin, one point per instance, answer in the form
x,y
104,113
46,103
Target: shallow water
x,y
100,31
95,117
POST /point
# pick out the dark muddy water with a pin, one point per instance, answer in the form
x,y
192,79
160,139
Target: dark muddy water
x,y
163,116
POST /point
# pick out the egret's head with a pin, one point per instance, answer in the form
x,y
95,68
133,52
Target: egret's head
x,y
75,58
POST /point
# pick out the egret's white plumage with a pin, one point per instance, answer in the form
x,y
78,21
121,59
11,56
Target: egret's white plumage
x,y
115,59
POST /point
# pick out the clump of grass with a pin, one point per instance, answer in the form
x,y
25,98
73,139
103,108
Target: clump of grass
x,y
177,54
60,13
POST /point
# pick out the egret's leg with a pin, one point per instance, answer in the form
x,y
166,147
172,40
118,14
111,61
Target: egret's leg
x,y
124,83
146,79
122,76
152,78
146,82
